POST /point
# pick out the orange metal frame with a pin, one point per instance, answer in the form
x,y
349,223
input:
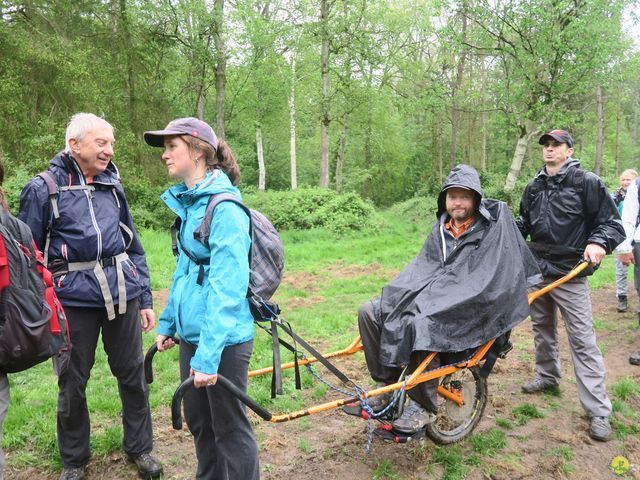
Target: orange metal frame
x,y
417,377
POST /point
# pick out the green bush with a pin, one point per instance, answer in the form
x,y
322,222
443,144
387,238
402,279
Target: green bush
x,y
15,178
417,210
147,209
307,208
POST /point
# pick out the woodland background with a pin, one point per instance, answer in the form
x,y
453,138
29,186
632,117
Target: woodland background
x,y
373,98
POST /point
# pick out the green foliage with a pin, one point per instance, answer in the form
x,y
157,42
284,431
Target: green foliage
x,y
489,442
452,458
384,471
504,423
16,177
417,210
626,388
306,208
147,209
523,413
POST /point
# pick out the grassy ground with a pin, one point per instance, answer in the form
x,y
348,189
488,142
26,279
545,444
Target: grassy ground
x,y
329,317
327,279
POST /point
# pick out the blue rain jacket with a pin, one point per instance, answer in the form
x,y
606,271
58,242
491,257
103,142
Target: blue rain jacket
x,y
89,228
216,314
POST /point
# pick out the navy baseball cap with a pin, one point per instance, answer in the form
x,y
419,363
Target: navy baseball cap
x,y
561,136
183,126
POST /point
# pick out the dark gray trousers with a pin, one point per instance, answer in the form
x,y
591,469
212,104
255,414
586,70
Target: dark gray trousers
x,y
426,394
122,340
225,445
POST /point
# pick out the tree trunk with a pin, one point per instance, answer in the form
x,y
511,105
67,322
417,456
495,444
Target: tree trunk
x,y
201,97
616,147
597,168
324,102
435,154
221,65
485,118
127,48
485,133
342,144
636,107
455,113
292,126
526,133
259,151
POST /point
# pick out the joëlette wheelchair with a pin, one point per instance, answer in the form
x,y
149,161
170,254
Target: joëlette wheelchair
x,y
462,390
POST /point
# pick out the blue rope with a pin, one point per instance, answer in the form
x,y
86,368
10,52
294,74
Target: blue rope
x,y
364,404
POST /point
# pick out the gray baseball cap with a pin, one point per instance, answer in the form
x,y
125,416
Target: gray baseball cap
x,y
183,126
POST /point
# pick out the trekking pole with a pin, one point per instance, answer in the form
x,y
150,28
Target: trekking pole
x,y
569,276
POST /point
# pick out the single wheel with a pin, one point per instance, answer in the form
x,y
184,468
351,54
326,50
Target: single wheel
x,y
454,422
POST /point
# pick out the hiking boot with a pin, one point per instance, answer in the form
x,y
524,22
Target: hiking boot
x,y
622,304
634,358
538,385
506,348
72,473
148,465
379,402
600,429
414,418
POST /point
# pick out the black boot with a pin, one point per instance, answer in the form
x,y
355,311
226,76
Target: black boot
x,y
622,303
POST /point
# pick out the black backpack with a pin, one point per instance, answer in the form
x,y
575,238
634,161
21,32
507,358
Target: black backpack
x,y
266,256
33,326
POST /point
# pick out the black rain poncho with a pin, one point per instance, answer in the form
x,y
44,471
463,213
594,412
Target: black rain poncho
x,y
478,293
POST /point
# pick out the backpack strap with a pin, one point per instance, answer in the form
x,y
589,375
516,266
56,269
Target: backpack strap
x,y
201,233
54,214
177,247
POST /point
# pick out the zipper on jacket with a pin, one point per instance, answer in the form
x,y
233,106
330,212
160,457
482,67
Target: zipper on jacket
x,y
89,197
95,222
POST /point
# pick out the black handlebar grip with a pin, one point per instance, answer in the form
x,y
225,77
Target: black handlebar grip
x,y
176,402
148,363
148,360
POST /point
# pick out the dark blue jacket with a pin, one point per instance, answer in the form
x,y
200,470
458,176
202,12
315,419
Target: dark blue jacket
x,y
89,228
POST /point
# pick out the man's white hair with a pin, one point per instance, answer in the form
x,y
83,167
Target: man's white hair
x,y
80,124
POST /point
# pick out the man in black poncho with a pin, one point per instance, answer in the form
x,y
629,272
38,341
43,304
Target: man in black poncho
x,y
467,286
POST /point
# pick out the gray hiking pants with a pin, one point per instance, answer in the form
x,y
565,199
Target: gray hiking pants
x,y
573,300
622,289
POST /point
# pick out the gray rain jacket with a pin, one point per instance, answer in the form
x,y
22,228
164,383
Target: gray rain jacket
x,y
457,301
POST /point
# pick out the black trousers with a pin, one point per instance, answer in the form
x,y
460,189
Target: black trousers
x,y
426,393
225,445
122,340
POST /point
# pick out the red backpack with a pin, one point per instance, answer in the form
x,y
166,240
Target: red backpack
x,y
33,326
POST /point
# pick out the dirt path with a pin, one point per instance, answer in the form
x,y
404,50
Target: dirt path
x,y
331,446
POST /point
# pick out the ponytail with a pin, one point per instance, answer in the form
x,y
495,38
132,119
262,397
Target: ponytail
x,y
227,162
221,158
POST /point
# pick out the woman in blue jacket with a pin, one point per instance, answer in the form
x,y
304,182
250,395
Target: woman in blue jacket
x,y
211,317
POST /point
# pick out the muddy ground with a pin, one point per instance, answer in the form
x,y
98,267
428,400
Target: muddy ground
x,y
331,445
